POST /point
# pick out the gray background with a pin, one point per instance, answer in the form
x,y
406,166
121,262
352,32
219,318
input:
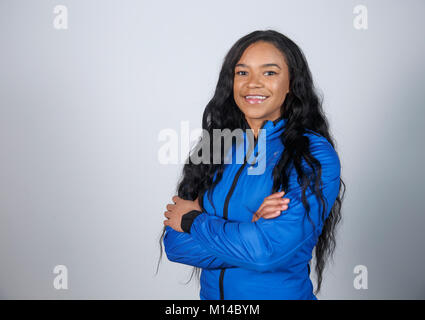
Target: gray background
x,y
82,108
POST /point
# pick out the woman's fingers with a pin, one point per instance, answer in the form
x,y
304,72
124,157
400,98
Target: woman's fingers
x,y
170,206
269,215
273,202
270,211
275,195
256,216
278,201
272,215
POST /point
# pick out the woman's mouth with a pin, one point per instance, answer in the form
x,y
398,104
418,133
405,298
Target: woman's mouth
x,y
255,99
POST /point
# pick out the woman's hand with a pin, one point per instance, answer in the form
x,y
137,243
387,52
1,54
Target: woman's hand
x,y
175,211
271,206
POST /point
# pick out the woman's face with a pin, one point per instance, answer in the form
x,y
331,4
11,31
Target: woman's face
x,y
261,71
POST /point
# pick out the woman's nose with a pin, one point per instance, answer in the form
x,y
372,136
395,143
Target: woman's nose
x,y
254,81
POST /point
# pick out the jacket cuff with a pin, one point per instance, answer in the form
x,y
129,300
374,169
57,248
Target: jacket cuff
x,y
187,220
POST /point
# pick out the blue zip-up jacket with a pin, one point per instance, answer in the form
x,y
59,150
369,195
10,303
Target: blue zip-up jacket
x,y
266,259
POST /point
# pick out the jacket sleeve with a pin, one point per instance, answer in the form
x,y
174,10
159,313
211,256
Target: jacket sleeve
x,y
269,244
181,248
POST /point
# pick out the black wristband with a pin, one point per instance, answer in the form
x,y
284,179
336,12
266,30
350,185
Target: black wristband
x,y
187,220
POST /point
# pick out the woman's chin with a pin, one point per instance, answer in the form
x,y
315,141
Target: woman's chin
x,y
254,115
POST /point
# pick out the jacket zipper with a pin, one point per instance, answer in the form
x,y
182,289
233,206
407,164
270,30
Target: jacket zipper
x,y
226,207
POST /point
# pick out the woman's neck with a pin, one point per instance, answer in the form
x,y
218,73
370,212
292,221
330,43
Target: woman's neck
x,y
256,124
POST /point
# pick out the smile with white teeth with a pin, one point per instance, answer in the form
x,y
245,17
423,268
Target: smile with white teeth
x,y
255,99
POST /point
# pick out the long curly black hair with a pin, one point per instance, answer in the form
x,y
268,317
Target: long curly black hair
x,y
302,110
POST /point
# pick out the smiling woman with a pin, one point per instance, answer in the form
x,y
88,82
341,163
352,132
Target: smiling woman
x,y
262,83
249,241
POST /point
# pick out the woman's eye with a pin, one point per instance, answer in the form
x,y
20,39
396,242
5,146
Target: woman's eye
x,y
239,72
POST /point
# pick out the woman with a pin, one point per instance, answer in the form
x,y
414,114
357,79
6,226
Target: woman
x,y
249,241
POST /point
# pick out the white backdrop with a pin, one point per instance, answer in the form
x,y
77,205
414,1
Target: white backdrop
x,y
82,109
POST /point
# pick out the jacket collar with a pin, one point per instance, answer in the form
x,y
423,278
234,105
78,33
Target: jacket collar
x,y
273,129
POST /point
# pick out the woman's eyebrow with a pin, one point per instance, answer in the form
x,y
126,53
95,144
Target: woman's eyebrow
x,y
264,65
